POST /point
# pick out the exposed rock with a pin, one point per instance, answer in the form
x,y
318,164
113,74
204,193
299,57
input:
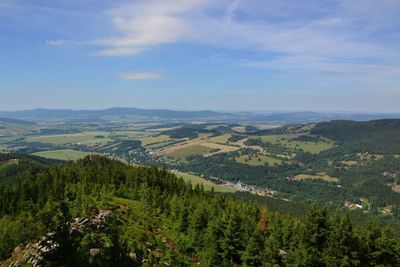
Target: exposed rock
x,y
35,254
282,253
132,255
94,252
17,250
15,264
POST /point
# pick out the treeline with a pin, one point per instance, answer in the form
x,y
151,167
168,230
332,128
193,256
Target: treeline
x,y
161,220
375,137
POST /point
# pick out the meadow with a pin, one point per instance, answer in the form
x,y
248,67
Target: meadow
x,y
258,160
194,179
87,138
63,154
289,141
318,176
190,150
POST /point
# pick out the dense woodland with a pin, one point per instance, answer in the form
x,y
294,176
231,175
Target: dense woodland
x,y
375,137
159,219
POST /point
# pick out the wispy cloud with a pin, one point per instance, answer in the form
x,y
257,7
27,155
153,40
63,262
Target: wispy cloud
x,y
335,36
60,42
139,75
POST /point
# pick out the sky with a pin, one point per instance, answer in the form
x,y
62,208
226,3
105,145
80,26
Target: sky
x,y
243,55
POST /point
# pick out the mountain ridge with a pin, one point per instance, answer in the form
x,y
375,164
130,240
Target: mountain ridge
x,y
44,114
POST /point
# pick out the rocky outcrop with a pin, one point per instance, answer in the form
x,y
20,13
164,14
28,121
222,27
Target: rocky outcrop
x,y
35,254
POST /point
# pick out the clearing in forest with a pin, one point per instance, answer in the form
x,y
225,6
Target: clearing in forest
x,y
207,185
63,154
258,160
318,176
87,138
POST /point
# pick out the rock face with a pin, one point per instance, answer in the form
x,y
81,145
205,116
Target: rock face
x,y
35,254
94,252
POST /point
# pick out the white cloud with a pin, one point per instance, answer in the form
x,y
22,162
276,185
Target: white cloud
x,y
59,42
336,36
118,51
139,75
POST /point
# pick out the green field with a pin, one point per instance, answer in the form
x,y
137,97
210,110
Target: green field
x,y
4,166
306,146
183,152
194,179
318,176
64,154
221,139
258,160
88,138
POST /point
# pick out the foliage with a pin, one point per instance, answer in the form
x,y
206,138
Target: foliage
x,y
161,220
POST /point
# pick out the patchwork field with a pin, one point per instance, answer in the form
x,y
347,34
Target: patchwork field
x,y
221,139
191,150
242,144
130,134
318,176
194,179
258,160
65,154
307,146
154,139
87,138
219,148
239,129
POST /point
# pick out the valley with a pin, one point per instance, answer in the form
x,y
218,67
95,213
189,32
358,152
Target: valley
x,y
296,162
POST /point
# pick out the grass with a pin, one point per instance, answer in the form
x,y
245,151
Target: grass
x,y
239,129
220,148
4,166
318,176
220,139
194,179
183,152
64,154
258,160
130,134
214,126
350,163
88,138
286,141
154,139
161,145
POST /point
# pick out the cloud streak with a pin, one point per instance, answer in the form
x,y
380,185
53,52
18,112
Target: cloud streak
x,y
336,36
139,75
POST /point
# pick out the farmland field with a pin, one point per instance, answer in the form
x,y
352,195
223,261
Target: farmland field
x,y
239,129
322,176
218,148
192,150
307,146
221,139
88,138
258,160
154,139
194,179
64,154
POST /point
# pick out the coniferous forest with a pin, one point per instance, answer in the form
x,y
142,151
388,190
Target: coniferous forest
x,y
155,219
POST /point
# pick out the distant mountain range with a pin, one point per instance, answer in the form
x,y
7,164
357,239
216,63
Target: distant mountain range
x,y
69,115
14,121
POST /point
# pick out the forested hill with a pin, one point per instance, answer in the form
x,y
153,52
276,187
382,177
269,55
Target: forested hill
x,y
377,137
15,167
101,212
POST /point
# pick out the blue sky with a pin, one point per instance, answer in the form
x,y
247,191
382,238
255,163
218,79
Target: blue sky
x,y
272,55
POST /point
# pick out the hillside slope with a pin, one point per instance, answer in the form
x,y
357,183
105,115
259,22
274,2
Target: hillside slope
x,y
377,137
101,212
